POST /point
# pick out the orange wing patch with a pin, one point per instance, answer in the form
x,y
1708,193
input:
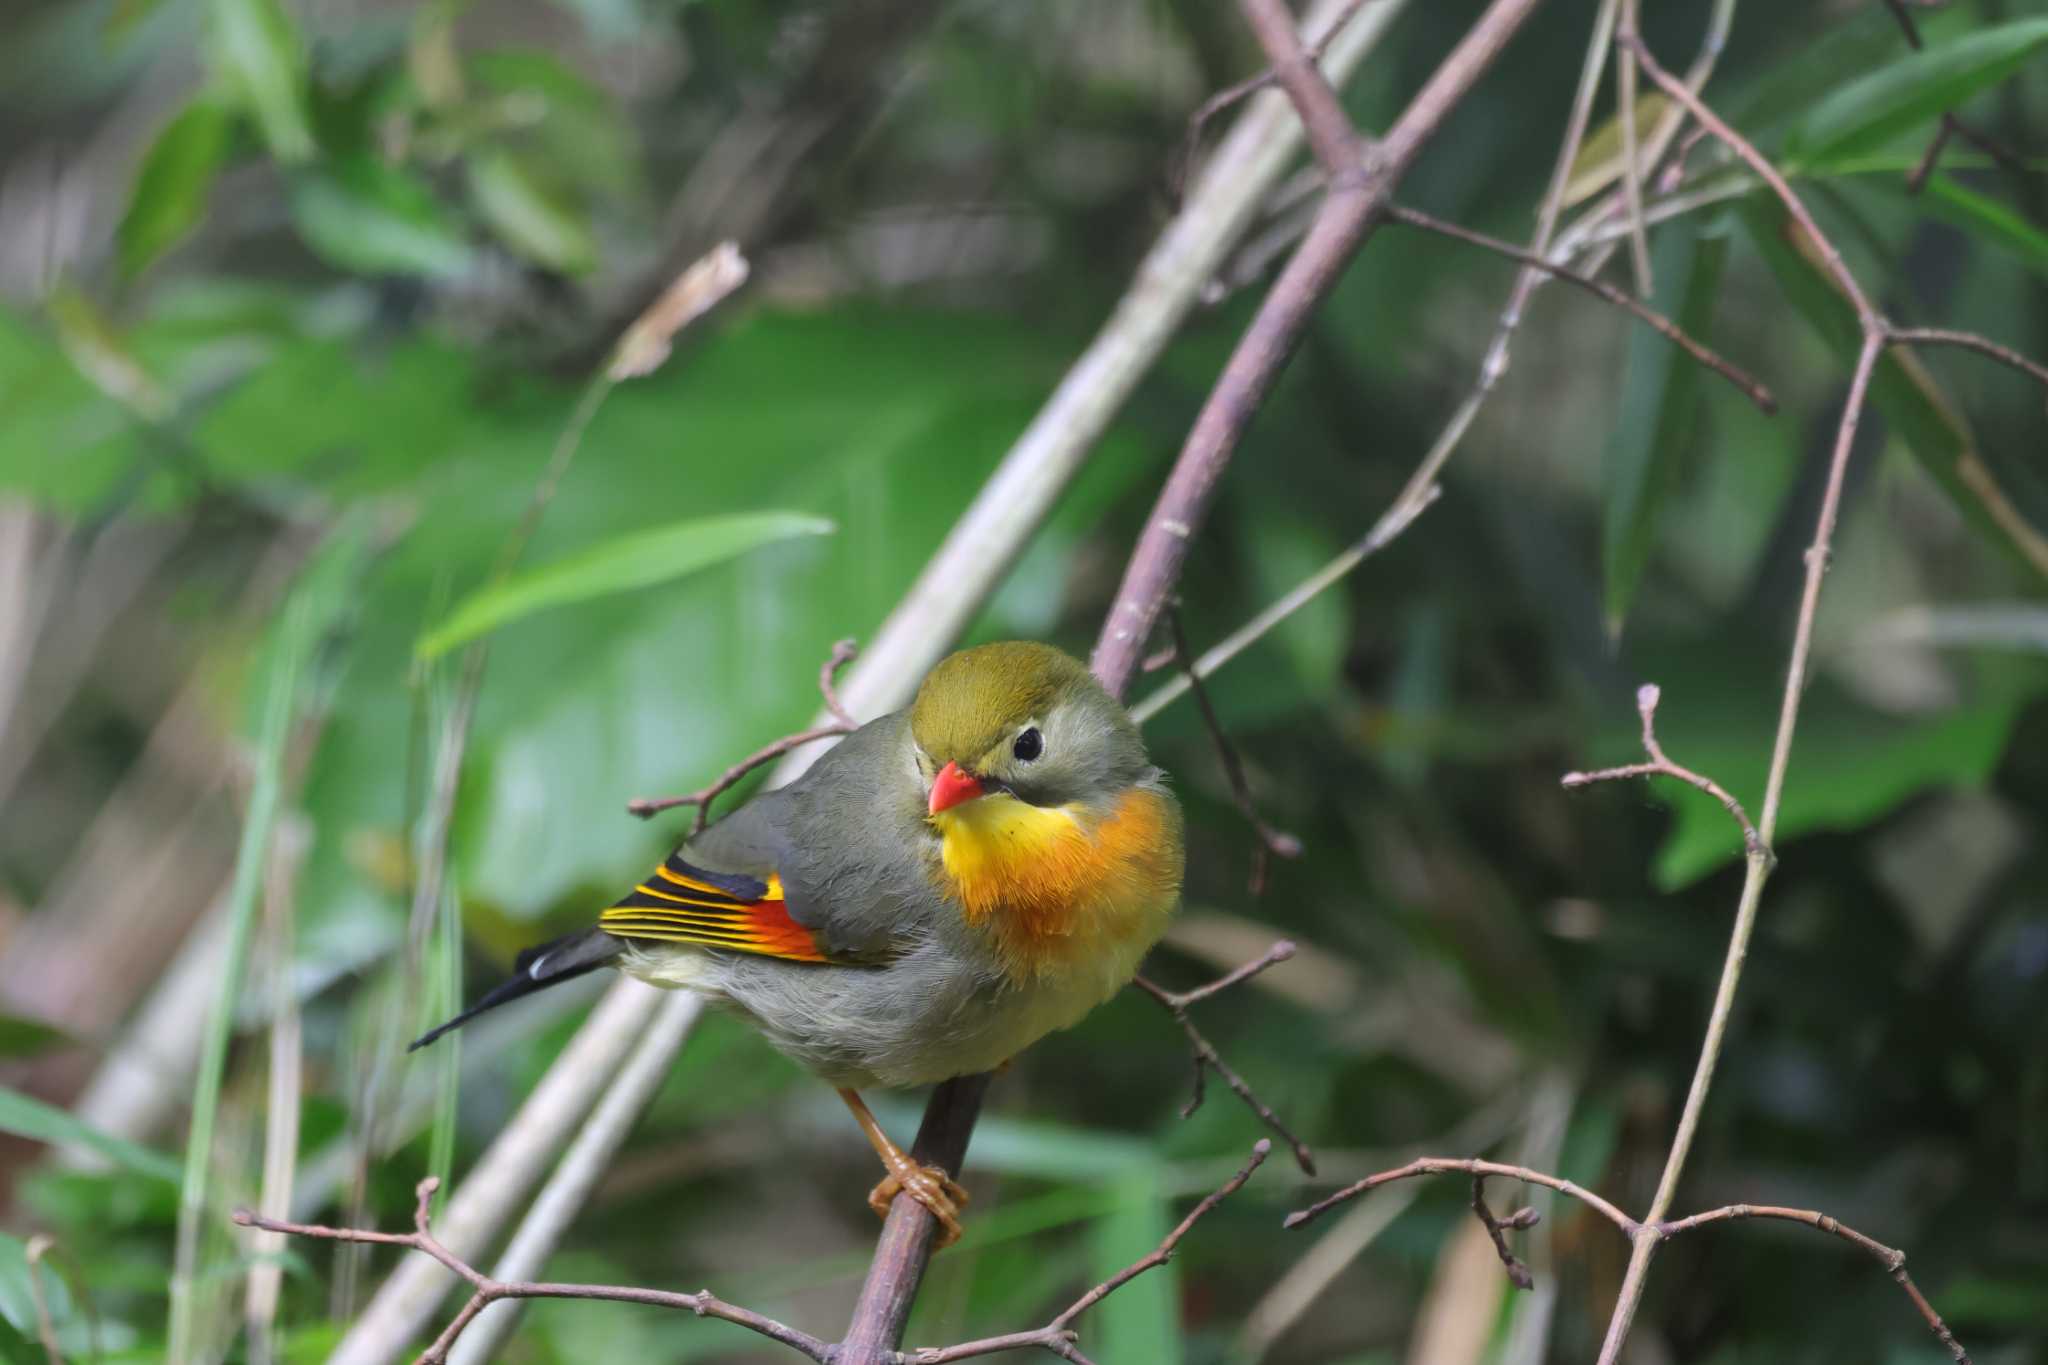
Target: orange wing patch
x,y
685,904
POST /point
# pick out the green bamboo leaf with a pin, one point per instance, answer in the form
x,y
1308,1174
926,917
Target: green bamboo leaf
x,y
1659,400
639,560
1989,221
530,215
256,49
1911,401
173,183
1141,1321
363,215
32,1119
1868,113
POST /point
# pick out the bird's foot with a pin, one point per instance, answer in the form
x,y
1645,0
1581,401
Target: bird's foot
x,y
930,1186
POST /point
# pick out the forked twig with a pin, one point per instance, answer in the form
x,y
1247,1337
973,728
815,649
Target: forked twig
x,y
1058,1336
842,723
487,1291
1207,1058
1498,1229
1660,765
1892,1259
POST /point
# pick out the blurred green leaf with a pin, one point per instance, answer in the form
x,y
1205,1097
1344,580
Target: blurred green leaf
x,y
31,1118
363,215
638,560
1658,415
1283,552
20,1037
1988,220
174,182
255,47
534,218
1869,112
571,122
1141,1321
103,356
1903,390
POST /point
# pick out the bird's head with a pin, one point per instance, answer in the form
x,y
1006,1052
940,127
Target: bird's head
x,y
1019,722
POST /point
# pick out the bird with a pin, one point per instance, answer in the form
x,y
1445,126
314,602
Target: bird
x,y
941,889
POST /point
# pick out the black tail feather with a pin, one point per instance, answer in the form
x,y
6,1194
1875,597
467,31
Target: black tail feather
x,y
536,969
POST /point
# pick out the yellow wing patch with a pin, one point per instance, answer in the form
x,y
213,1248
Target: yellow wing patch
x,y
685,904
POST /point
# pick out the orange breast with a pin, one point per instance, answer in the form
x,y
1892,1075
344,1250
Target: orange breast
x,y
1053,885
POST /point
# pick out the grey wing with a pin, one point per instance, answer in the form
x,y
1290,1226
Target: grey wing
x,y
848,841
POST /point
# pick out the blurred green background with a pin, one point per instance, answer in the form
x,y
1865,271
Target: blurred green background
x,y
294,302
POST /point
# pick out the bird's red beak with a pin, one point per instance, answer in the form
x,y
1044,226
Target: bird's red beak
x,y
952,786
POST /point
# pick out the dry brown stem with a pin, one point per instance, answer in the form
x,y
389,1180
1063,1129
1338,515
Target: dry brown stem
x,y
1660,765
1057,1336
843,653
488,1291
1207,1059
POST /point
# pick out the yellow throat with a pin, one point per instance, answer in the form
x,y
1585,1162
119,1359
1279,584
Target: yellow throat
x,y
1057,884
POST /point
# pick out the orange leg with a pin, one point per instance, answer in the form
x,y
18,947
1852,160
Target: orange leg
x,y
928,1185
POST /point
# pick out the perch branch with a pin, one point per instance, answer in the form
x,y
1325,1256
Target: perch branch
x,y
1355,202
1969,341
1272,843
488,1290
1660,764
841,723
1206,1058
1058,1335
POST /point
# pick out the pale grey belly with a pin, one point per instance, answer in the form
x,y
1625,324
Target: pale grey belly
x,y
921,1020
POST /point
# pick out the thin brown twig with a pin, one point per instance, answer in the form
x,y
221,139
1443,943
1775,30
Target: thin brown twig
x,y
842,723
1058,1335
1751,387
1942,336
1498,1229
488,1290
1207,1058
1892,1259
1952,125
1660,764
1274,843
1208,109
1878,333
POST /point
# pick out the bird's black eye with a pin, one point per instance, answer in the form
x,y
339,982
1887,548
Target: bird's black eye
x,y
1029,745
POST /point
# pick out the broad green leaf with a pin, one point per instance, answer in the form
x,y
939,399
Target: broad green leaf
x,y
30,1118
1988,220
1283,551
1657,420
1868,113
102,354
638,560
1860,41
174,183
530,215
257,51
1911,401
363,215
